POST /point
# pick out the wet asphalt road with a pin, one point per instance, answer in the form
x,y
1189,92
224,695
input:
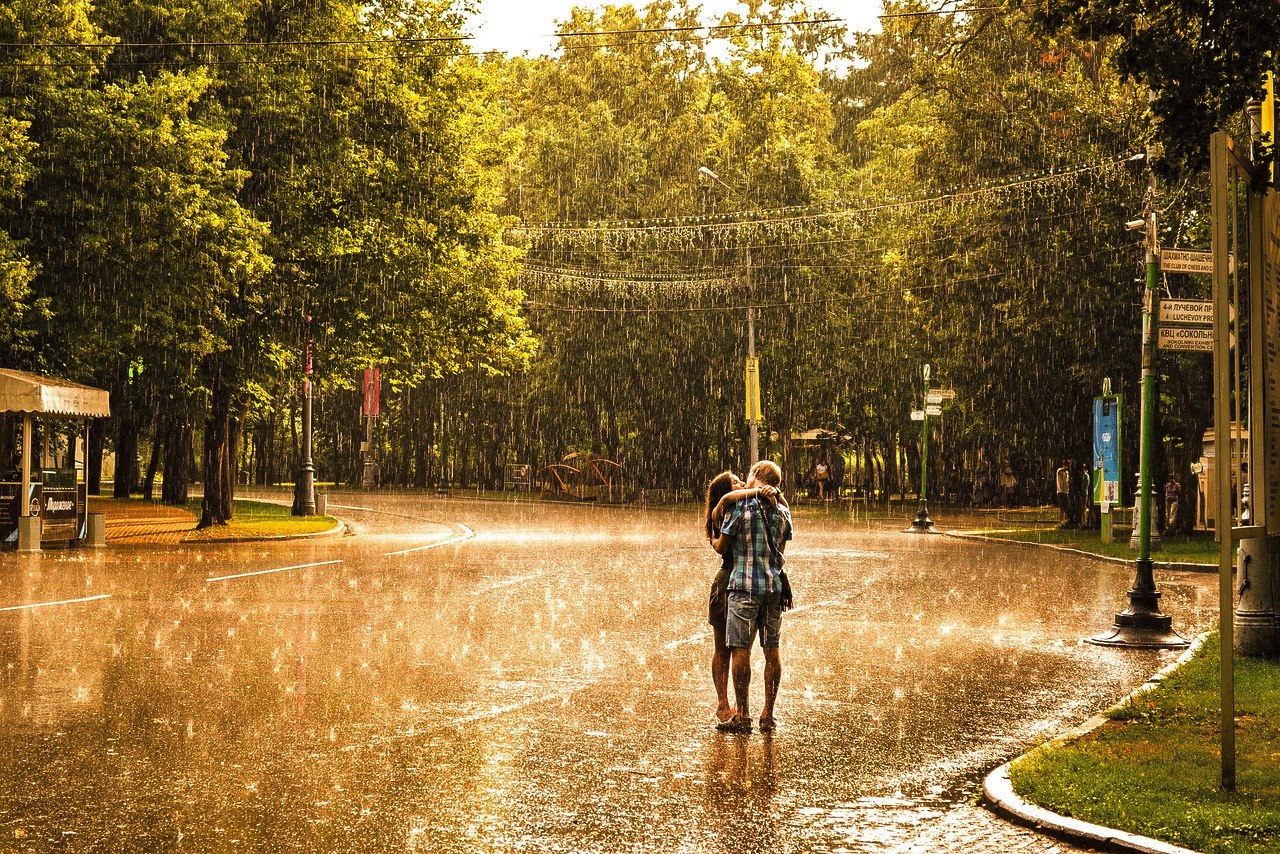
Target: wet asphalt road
x,y
484,676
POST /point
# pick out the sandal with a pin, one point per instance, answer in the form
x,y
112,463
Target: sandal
x,y
768,724
738,723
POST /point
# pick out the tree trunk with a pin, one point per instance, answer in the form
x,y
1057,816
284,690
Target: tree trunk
x,y
126,481
215,508
153,464
93,455
236,415
177,461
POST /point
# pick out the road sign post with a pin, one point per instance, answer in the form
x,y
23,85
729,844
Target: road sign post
x,y
933,399
1142,625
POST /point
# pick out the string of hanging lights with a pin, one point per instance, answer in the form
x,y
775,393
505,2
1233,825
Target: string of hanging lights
x,y
778,224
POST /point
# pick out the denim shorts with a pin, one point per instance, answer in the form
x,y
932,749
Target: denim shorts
x,y
749,615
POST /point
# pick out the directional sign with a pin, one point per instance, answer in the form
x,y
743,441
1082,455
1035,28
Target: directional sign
x,y
1186,311
1189,311
1197,338
947,393
933,410
917,415
1185,261
933,396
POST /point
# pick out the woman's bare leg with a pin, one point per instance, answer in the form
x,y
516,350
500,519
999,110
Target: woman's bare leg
x,y
720,675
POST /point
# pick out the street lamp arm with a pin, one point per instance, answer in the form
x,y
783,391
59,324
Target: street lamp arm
x,y
703,170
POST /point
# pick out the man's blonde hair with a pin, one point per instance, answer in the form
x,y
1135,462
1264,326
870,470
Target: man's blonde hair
x,y
767,471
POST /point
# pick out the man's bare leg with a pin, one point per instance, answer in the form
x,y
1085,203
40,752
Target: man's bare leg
x,y
741,664
772,679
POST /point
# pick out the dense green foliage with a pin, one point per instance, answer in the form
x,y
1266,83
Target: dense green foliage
x,y
190,191
995,261
1201,61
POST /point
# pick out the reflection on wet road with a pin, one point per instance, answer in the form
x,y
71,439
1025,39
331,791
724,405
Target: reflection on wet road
x,y
465,676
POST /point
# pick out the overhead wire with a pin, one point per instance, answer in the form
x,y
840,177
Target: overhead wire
x,y
411,42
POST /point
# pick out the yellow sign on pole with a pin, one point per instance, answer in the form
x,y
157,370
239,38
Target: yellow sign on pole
x,y
1269,110
753,390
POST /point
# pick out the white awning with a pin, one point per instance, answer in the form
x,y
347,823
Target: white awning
x,y
818,435
23,392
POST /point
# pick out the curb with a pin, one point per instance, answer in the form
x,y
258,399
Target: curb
x,y
1170,566
336,531
1000,798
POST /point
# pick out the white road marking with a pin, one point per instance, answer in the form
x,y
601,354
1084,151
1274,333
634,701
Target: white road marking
x,y
467,534
269,571
506,582
59,602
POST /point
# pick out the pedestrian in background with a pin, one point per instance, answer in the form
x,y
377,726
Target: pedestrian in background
x,y
1084,488
1172,494
1063,480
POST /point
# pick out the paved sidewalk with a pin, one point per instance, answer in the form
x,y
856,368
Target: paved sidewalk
x,y
137,522
974,830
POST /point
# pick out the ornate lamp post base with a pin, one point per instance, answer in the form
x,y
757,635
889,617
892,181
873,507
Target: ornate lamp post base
x,y
1141,625
922,524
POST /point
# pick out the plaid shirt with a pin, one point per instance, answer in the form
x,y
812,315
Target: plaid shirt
x,y
755,569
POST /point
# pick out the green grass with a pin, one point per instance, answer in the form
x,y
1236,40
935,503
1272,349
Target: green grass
x,y
1154,769
1199,547
256,519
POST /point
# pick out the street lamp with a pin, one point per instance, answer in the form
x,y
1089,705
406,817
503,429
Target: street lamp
x,y
304,497
753,365
1141,625
922,524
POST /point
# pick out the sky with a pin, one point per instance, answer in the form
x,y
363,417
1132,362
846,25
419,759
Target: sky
x,y
525,26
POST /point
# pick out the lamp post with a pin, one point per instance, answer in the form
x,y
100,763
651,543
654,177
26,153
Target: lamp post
x,y
752,365
1141,625
304,497
922,524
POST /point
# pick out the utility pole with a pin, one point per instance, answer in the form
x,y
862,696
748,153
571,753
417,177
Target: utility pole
x,y
753,365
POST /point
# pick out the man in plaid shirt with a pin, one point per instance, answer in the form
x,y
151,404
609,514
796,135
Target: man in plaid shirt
x,y
755,590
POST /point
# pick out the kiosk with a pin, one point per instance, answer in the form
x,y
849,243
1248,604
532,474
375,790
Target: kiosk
x,y
44,505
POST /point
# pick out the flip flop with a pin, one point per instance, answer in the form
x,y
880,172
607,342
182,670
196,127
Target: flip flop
x,y
737,723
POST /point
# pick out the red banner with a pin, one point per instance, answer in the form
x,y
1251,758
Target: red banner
x,y
372,392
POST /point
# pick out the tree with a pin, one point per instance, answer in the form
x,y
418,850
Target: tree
x,y
1201,61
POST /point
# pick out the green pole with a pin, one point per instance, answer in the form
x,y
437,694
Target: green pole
x,y
924,442
1142,624
922,524
1146,580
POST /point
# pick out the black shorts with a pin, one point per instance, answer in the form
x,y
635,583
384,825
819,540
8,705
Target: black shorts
x,y
718,600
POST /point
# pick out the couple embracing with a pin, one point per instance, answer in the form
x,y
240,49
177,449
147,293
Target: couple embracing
x,y
748,524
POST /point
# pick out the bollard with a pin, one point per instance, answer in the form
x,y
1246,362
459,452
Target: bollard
x,y
95,531
1156,542
322,504
29,530
1257,631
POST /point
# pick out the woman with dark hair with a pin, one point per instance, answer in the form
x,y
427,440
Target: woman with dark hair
x,y
723,491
